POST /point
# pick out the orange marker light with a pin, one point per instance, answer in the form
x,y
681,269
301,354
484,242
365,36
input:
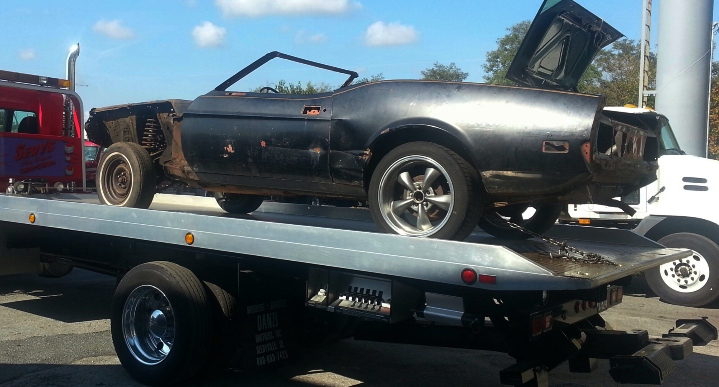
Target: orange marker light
x,y
189,238
32,218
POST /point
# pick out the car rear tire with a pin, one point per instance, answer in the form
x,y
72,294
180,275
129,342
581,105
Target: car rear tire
x,y
425,190
495,222
126,176
238,203
161,323
692,281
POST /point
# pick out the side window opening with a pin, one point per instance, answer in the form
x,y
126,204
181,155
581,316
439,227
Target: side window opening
x,y
24,122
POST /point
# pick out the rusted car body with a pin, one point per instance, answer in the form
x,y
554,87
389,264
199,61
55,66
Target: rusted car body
x,y
506,148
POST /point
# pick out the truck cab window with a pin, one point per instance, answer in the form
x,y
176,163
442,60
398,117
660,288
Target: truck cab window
x,y
24,122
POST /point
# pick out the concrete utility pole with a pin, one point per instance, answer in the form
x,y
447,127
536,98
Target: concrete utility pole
x,y
645,51
683,68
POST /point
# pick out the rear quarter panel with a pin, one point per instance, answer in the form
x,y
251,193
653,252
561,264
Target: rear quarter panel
x,y
502,128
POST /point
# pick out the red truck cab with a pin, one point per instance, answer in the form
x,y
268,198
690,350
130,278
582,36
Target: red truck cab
x,y
41,146
92,157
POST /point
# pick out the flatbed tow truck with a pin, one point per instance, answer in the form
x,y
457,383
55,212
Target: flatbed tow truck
x,y
197,289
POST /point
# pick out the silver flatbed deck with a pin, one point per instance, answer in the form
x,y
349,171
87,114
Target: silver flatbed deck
x,y
345,239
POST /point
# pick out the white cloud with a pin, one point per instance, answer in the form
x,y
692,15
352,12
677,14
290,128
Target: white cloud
x,y
28,54
113,29
209,35
392,34
303,37
256,8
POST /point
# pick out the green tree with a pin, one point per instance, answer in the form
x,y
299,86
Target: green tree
x,y
498,61
373,78
618,65
297,88
440,72
714,113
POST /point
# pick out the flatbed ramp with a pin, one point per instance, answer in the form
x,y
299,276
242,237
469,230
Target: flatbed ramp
x,y
516,265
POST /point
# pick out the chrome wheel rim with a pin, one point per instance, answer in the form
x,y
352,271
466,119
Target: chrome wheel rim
x,y
148,325
686,275
416,196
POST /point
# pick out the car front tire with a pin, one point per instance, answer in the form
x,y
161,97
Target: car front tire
x,y
126,176
425,190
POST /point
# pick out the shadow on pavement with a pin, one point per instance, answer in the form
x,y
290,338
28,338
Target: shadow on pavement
x,y
80,296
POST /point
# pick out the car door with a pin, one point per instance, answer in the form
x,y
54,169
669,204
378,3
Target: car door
x,y
261,135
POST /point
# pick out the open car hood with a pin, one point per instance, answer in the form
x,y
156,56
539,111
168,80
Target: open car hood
x,y
560,45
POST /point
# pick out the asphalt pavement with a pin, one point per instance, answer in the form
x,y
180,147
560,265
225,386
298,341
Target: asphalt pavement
x,y
55,332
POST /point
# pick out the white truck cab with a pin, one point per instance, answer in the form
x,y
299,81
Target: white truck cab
x,y
677,210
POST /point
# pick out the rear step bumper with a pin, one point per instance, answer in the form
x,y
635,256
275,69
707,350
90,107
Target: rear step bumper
x,y
651,363
633,356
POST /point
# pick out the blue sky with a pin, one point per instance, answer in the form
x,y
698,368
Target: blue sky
x,y
134,51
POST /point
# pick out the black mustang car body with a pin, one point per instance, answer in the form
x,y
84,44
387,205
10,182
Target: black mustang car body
x,y
431,158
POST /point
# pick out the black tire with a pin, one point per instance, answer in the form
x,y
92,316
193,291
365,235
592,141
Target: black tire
x,y
161,323
224,342
692,281
544,217
238,203
126,176
448,208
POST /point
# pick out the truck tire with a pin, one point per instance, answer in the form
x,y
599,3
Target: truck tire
x,y
543,218
126,176
161,323
425,190
238,203
692,281
224,341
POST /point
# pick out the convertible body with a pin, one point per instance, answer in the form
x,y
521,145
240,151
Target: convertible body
x,y
538,144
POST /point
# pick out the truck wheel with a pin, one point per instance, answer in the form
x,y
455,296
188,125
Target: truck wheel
x,y
224,341
238,203
161,323
539,221
126,176
692,281
425,190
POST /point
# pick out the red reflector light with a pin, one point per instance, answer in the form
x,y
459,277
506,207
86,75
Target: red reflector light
x,y
469,276
585,304
537,325
487,279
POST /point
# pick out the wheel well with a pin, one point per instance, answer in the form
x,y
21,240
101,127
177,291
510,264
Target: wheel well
x,y
394,138
677,224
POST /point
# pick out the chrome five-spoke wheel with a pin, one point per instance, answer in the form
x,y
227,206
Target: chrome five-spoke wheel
x,y
425,190
416,196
